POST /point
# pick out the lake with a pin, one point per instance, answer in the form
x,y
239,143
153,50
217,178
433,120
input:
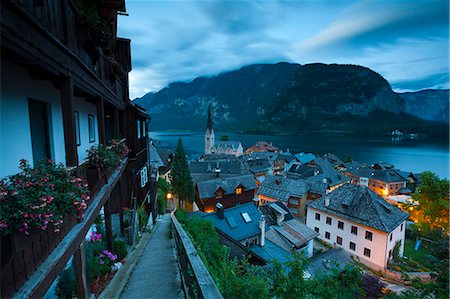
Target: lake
x,y
408,155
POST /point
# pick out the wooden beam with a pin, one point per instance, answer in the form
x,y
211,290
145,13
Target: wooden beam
x,y
101,120
70,142
79,261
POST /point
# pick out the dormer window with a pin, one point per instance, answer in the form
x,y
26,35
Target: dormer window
x,y
239,190
219,194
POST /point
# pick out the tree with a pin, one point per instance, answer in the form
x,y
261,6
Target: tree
x,y
433,196
224,138
180,176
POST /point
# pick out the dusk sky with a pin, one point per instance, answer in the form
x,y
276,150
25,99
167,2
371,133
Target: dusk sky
x,y
404,41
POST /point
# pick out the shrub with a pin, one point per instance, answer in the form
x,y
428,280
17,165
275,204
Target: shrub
x,y
120,248
39,197
66,285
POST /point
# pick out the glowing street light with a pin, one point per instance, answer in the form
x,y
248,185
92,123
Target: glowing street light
x,y
169,196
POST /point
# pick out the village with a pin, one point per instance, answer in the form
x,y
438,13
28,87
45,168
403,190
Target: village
x,y
268,204
92,207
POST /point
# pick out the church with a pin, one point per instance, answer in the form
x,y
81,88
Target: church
x,y
221,147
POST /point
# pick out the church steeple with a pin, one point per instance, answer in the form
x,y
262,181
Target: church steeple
x,y
209,134
209,123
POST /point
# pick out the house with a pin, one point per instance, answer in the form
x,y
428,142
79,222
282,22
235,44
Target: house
x,y
222,147
243,229
210,169
359,175
291,192
286,231
276,161
359,221
304,158
387,182
319,170
229,192
62,91
262,146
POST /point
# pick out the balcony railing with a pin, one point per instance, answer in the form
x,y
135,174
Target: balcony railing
x,y
22,255
196,279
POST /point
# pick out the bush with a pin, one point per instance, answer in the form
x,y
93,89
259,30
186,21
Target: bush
x,y
66,285
120,248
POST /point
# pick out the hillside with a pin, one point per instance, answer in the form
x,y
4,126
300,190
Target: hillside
x,y
430,104
286,98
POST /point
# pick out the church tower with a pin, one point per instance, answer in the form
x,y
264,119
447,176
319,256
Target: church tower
x,y
209,134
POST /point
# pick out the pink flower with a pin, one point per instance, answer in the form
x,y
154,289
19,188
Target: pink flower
x,y
25,215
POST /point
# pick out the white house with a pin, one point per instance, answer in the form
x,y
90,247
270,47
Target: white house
x,y
359,221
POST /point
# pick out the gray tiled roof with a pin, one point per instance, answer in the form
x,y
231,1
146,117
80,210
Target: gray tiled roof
x,y
288,157
207,189
228,167
364,172
361,205
282,188
242,229
333,159
295,232
227,144
305,158
155,159
323,170
388,176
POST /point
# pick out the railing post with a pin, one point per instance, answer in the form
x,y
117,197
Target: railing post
x,y
109,236
67,99
79,262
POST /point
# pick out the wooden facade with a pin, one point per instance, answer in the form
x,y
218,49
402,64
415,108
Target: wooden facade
x,y
227,200
56,47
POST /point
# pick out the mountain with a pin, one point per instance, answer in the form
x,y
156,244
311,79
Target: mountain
x,y
430,104
285,98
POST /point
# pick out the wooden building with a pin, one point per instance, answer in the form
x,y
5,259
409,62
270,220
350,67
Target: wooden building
x,y
64,83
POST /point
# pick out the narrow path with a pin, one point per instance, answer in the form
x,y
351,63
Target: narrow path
x,y
156,273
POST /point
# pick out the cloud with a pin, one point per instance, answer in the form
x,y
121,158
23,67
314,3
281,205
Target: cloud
x,y
405,41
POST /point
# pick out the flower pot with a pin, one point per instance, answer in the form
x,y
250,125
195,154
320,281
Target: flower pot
x,y
94,286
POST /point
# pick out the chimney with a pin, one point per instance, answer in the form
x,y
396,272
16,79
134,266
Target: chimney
x,y
262,226
327,199
280,219
217,172
219,208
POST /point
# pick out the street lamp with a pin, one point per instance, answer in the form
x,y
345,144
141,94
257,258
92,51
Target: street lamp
x,y
169,196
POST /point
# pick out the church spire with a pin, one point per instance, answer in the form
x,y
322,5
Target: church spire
x,y
209,124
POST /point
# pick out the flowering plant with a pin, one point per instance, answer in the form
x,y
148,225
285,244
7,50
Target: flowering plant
x,y
39,197
100,260
120,149
101,157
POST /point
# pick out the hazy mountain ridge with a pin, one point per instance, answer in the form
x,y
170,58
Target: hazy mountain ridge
x,y
430,104
284,97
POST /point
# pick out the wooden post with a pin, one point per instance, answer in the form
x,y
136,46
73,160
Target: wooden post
x,y
101,121
108,225
79,261
70,143
121,206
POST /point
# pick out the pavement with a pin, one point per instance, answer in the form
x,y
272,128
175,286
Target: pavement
x,y
156,273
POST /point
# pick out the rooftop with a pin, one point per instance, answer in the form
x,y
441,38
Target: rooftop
x,y
207,189
361,205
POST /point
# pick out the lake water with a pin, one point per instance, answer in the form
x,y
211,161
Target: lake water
x,y
408,155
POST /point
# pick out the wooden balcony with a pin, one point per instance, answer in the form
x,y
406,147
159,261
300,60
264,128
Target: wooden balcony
x,y
30,264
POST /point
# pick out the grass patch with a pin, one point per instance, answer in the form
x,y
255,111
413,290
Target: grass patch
x,y
419,255
417,261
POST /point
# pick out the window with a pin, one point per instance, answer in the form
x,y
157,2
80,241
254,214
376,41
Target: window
x,y
354,230
144,129
91,125
327,235
138,128
352,246
339,240
340,225
239,190
329,220
316,229
401,227
246,217
219,194
318,216
369,236
390,238
77,127
144,176
367,252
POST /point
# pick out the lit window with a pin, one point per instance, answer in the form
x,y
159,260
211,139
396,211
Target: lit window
x,y
367,252
219,194
327,235
239,190
369,236
339,240
318,216
354,230
329,220
352,246
340,225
